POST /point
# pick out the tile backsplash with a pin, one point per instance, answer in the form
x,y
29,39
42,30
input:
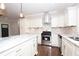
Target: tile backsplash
x,y
65,30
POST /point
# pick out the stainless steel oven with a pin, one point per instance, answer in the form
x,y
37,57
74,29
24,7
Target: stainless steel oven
x,y
46,37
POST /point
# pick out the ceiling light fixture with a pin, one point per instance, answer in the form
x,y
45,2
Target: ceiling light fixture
x,y
21,12
2,6
2,9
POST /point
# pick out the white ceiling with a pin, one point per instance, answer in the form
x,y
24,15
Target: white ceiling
x,y
13,9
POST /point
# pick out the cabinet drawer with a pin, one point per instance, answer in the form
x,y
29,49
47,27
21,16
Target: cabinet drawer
x,y
12,51
26,48
9,52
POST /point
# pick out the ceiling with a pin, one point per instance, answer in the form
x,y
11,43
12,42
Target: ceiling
x,y
13,9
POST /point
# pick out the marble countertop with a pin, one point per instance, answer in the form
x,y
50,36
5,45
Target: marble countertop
x,y
9,42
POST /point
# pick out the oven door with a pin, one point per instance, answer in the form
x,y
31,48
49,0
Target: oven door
x,y
46,37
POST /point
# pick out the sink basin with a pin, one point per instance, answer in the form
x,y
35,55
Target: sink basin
x,y
75,38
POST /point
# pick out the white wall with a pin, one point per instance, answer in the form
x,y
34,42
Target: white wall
x,y
13,25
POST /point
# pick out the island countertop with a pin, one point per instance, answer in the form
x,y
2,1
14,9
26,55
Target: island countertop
x,y
9,42
67,37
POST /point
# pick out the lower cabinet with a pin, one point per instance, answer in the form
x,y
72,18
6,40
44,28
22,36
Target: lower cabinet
x,y
68,49
55,40
76,50
27,48
10,52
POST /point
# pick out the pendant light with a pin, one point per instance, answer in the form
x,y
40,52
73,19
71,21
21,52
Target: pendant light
x,y
2,6
21,12
2,9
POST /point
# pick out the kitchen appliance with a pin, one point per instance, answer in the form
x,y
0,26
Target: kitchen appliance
x,y
45,37
5,30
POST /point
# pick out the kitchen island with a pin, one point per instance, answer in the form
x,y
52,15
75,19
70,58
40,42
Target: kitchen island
x,y
19,45
70,47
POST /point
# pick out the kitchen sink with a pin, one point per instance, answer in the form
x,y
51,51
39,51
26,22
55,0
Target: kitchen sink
x,y
75,38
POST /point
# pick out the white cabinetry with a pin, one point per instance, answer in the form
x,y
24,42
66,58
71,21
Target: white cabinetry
x,y
76,50
67,48
66,17
54,21
10,52
57,20
30,23
27,48
72,16
61,19
35,20
54,40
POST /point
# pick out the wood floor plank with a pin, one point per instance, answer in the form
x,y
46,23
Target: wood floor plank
x,y
46,50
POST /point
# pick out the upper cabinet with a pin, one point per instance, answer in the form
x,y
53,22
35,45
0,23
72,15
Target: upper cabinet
x,y
64,18
61,18
54,21
57,20
31,21
35,21
72,16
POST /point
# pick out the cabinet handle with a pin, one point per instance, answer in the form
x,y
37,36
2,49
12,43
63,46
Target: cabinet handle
x,y
18,50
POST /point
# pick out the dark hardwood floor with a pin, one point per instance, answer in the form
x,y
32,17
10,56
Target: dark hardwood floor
x,y
47,50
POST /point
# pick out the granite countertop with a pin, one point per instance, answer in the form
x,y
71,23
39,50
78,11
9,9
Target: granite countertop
x,y
9,42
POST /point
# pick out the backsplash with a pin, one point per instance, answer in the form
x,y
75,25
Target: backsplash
x,y
57,30
65,30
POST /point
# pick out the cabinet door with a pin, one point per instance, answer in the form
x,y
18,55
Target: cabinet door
x,y
30,47
27,48
76,51
54,20
67,48
72,16
61,19
35,20
54,40
58,20
9,52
